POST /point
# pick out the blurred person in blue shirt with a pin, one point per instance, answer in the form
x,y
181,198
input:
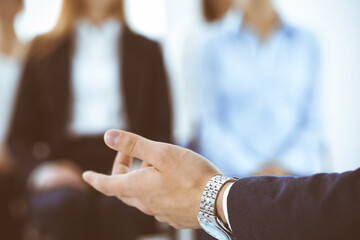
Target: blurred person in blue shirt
x,y
260,95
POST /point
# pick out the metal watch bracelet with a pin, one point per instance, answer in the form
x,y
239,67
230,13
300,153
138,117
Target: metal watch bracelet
x,y
209,197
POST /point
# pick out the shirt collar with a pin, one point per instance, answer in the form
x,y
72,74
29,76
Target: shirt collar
x,y
234,23
109,28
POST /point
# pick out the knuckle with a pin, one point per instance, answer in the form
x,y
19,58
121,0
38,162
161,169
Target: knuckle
x,y
159,219
147,211
176,226
107,191
107,194
127,201
131,144
161,153
163,149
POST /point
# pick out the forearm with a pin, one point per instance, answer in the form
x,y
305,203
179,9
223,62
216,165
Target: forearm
x,y
323,206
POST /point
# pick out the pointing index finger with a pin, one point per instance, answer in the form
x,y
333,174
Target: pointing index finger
x,y
115,185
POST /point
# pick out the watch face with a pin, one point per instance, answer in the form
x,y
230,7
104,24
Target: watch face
x,y
214,231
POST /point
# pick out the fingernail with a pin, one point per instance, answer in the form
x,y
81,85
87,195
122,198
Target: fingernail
x,y
86,175
112,138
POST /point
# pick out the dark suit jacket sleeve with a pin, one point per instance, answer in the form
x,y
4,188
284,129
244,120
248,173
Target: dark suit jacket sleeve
x,y
323,206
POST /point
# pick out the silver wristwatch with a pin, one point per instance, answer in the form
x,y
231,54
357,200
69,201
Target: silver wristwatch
x,y
207,213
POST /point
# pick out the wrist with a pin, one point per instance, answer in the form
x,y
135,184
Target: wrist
x,y
212,215
219,203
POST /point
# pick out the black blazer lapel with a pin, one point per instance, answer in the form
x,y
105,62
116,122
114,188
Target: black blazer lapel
x,y
58,75
130,79
145,88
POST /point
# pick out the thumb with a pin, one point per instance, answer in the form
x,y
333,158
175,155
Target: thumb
x,y
136,146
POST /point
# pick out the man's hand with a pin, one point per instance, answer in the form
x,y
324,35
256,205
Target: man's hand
x,y
169,185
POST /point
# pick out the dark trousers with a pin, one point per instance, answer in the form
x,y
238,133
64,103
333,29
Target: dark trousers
x,y
9,227
67,214
4,203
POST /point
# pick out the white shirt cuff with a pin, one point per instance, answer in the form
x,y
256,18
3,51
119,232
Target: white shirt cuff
x,y
226,194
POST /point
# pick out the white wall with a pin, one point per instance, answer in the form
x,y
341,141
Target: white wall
x,y
182,20
147,17
39,16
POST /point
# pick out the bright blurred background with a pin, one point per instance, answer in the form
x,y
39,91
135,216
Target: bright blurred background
x,y
179,25
335,23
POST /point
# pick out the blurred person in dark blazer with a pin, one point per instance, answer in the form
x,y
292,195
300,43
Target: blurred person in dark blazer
x,y
89,74
12,52
213,10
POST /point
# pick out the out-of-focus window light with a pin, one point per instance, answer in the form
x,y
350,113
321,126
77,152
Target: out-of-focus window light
x,y
38,17
147,17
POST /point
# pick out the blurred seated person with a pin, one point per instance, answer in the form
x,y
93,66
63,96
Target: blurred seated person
x,y
260,95
12,52
187,86
90,74
213,10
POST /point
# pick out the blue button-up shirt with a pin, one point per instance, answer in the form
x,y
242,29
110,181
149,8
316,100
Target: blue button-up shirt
x,y
260,100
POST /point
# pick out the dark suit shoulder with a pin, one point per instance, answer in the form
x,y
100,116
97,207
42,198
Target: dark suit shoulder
x,y
46,46
140,42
